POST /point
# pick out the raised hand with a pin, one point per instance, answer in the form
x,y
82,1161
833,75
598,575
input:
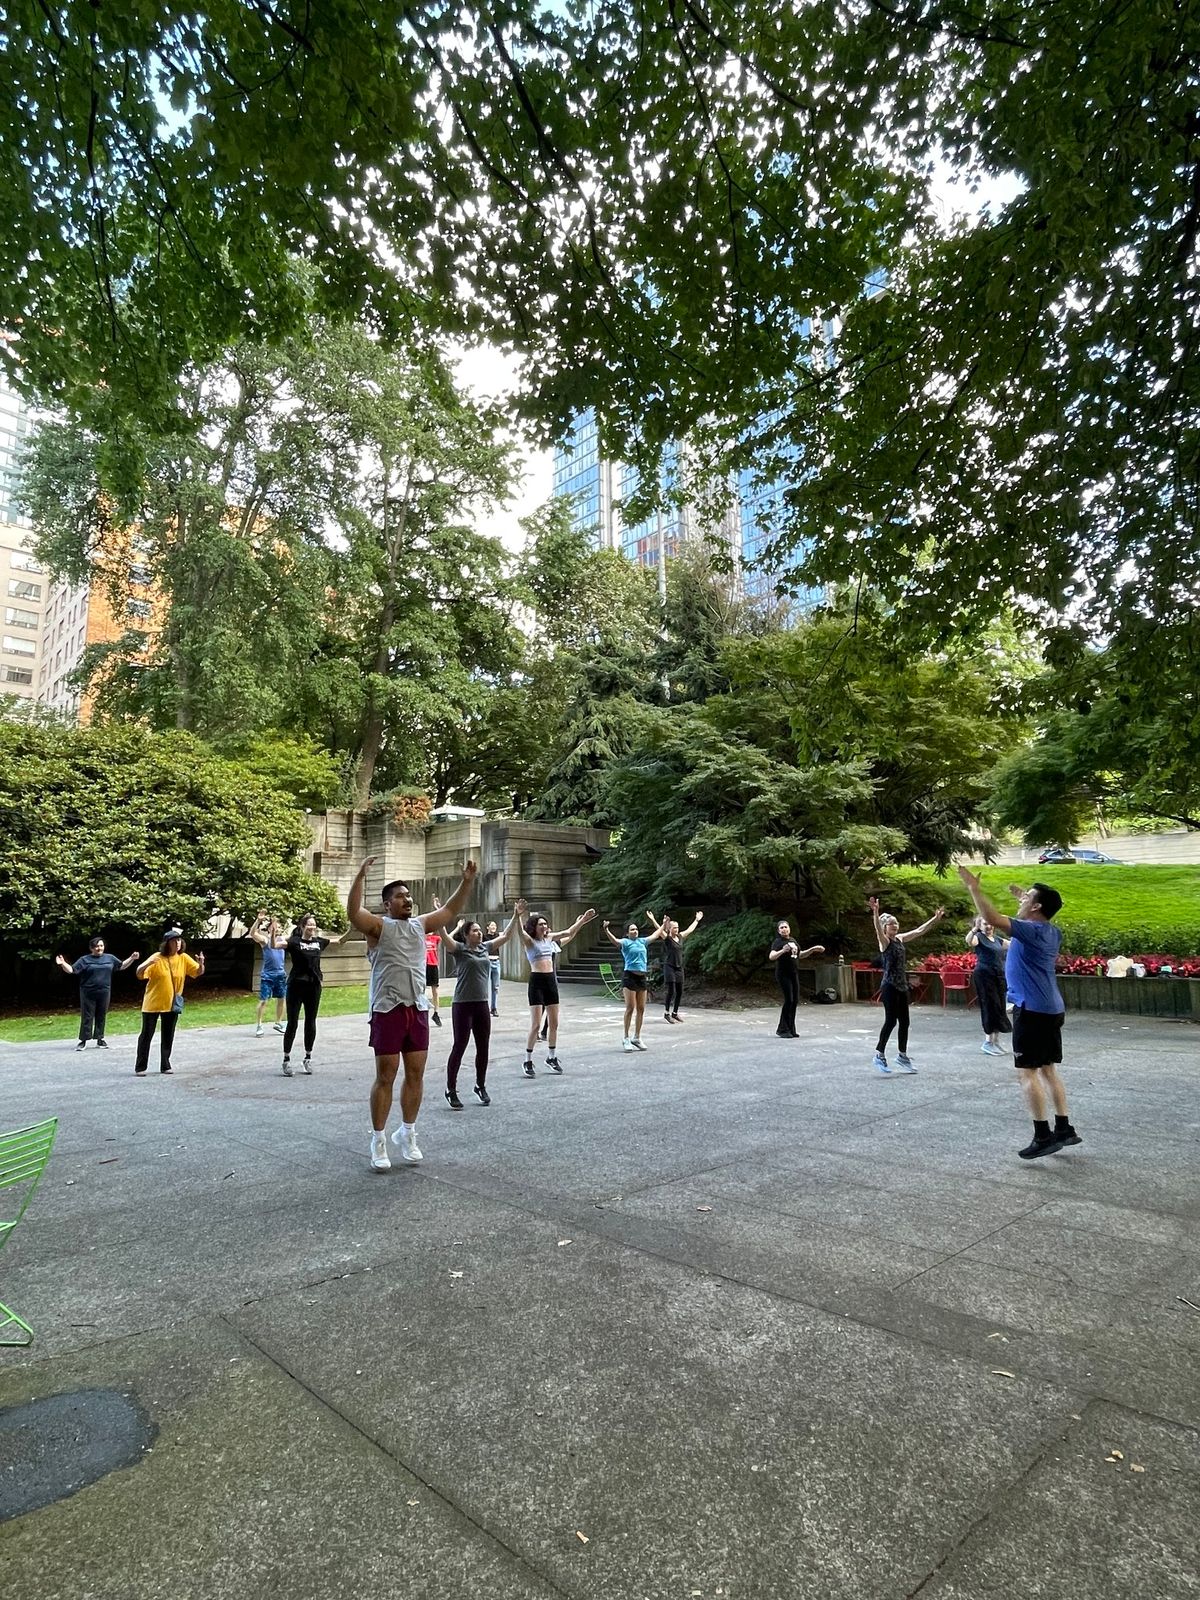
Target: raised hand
x,y
873,902
699,916
588,914
968,877
470,868
939,913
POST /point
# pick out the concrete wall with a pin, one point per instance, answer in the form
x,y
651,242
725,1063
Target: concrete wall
x,y
1180,847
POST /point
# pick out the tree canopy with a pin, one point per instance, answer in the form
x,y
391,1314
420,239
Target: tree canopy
x,y
125,826
679,217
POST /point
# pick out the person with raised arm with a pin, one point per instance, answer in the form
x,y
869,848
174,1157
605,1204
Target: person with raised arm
x,y
541,947
95,973
893,991
673,961
305,944
164,974
470,1013
990,988
399,1010
784,954
1037,1005
634,978
272,980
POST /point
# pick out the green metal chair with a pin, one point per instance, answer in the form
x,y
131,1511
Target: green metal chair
x,y
612,984
23,1154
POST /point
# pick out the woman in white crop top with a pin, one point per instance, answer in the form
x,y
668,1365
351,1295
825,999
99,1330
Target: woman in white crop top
x,y
541,947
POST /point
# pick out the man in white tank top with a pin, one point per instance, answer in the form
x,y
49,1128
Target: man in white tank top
x,y
399,1009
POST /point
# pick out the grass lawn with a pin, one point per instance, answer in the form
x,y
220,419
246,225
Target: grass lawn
x,y
1140,910
201,1011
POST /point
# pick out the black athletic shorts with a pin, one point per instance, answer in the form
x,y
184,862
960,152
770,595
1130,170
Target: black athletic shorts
x,y
543,989
433,975
1036,1037
633,980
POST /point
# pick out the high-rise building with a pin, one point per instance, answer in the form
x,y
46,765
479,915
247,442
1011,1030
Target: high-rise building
x,y
25,587
80,615
588,479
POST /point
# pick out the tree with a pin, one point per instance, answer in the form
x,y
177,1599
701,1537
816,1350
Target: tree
x,y
131,827
1119,735
830,756
980,428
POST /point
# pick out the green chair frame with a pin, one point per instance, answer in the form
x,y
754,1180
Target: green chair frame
x,y
23,1155
612,984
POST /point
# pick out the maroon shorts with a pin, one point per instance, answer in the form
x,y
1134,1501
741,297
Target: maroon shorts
x,y
399,1032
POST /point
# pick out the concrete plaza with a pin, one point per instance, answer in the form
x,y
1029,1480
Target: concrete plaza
x,y
732,1318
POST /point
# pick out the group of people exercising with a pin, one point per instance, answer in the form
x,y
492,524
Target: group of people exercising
x,y
403,953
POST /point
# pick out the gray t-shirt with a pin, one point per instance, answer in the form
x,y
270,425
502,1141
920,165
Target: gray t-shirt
x,y
398,965
472,973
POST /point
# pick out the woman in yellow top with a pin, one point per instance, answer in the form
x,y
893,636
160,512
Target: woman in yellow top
x,y
165,975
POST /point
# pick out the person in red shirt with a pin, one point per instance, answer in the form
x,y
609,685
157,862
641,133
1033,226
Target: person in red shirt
x,y
433,970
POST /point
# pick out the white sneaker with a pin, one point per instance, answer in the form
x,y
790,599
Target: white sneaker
x,y
307,1064
990,1049
279,1027
379,1156
406,1143
637,1044
627,1046
259,1031
905,1064
287,1066
881,1066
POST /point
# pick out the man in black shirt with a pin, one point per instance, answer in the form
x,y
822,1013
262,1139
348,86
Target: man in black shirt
x,y
95,974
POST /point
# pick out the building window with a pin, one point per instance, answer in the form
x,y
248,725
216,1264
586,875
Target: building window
x,y
16,618
18,675
20,589
139,572
19,647
20,562
138,608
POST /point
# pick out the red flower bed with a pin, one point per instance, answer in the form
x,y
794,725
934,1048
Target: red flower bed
x,y
1078,966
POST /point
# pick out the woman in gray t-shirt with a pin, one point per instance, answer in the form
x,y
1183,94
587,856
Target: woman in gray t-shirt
x,y
471,1012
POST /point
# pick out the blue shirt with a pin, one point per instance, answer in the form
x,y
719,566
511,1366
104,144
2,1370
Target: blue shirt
x,y
272,961
1029,967
633,953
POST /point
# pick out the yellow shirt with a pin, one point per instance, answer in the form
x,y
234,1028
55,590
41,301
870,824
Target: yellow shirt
x,y
164,979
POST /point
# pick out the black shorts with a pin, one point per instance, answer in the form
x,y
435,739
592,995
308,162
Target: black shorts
x,y
543,989
1037,1037
633,980
433,975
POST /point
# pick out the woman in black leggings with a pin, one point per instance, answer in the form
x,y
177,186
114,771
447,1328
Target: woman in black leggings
x,y
893,991
784,954
672,966
304,984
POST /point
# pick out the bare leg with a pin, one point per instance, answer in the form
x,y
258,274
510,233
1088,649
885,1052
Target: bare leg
x,y
386,1068
279,1008
639,1000
414,1083
1050,1079
1035,1099
552,1041
535,1027
629,1004
262,1006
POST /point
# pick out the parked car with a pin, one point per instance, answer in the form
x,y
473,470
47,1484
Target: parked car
x,y
1095,858
1055,855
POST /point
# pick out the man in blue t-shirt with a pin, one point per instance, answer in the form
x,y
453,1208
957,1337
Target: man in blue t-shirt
x,y
95,974
272,980
1037,1005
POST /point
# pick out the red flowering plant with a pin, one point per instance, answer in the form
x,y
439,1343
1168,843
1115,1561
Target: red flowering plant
x,y
1095,966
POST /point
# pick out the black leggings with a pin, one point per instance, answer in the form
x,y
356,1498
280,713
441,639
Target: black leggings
x,y
895,1015
306,997
469,1017
990,991
150,1019
672,988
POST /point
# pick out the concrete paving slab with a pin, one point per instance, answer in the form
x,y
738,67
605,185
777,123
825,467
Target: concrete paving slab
x,y
885,1312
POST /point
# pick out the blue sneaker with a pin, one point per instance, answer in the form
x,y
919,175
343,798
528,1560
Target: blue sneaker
x,y
905,1064
881,1066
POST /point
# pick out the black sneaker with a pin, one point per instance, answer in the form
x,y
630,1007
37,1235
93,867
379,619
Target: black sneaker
x,y
437,1020
101,1044
495,1013
482,1095
527,1069
452,1100
1067,1135
553,1063
165,1071
82,1045
1041,1147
